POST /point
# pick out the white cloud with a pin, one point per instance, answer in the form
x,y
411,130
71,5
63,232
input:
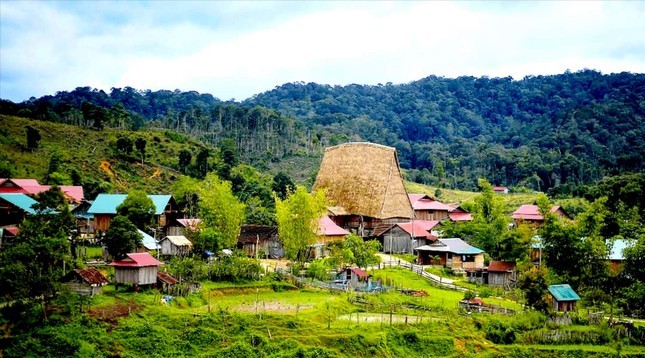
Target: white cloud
x,y
237,50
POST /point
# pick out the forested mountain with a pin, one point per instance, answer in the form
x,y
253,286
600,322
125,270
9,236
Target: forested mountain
x,y
538,132
543,132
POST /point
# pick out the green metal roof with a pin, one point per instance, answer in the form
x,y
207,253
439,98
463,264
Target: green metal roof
x,y
563,293
21,201
107,203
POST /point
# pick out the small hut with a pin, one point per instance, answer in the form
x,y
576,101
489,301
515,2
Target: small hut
x,y
137,269
85,281
355,276
165,281
175,246
501,273
453,253
261,241
405,237
564,298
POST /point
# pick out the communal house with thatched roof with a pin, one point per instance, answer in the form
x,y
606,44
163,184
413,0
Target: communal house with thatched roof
x,y
365,185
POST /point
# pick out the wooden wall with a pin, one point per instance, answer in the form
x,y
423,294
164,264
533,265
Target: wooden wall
x,y
138,275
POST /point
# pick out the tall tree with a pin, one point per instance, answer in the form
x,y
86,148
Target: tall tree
x,y
122,237
297,218
220,210
185,157
140,144
282,185
33,137
138,208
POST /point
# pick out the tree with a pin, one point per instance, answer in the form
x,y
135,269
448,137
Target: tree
x,y
140,144
220,210
185,190
282,185
533,282
124,146
185,157
122,237
32,264
362,251
33,137
489,222
297,217
138,208
201,162
515,244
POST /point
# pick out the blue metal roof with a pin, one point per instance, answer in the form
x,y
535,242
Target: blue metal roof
x,y
107,203
21,201
563,293
453,245
617,249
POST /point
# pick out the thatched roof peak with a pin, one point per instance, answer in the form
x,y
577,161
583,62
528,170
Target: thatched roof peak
x,y
364,179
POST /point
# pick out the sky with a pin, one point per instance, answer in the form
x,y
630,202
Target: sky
x,y
236,49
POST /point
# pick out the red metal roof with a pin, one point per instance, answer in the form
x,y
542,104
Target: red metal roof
x,y
460,216
531,212
501,266
500,188
360,273
327,227
13,230
419,228
143,259
191,223
32,187
424,202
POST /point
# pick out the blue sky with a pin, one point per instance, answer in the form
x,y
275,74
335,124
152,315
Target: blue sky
x,y
235,49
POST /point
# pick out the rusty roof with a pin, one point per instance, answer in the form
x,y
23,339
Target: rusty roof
x,y
250,233
501,266
92,276
166,278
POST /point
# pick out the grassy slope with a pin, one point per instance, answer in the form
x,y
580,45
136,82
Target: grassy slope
x,y
91,152
297,321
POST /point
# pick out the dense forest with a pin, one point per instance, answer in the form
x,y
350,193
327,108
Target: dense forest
x,y
543,133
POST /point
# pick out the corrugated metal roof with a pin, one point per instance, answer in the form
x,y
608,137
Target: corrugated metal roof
x,y
501,266
617,249
327,227
453,245
459,216
21,201
178,240
107,203
166,278
137,260
563,292
92,276
149,242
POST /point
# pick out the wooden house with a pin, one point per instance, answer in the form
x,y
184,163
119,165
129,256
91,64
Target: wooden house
x,y
84,220
355,276
180,225
175,246
365,185
86,281
405,237
261,241
427,208
136,269
530,214
453,253
458,214
148,243
500,190
31,187
616,256
104,210
563,297
501,273
14,208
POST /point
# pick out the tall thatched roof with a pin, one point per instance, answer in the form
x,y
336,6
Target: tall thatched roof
x,y
364,179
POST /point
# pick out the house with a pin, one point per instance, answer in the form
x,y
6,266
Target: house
x,y
86,281
104,209
453,253
136,269
531,214
327,232
31,187
14,208
175,246
405,237
355,276
84,220
365,185
183,224
501,273
427,208
564,298
500,190
260,241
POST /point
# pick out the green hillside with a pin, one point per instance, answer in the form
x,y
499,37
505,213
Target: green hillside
x,y
93,155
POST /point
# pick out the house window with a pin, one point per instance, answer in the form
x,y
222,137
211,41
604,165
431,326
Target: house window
x,y
467,258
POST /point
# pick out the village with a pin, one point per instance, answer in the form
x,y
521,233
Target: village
x,y
365,198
